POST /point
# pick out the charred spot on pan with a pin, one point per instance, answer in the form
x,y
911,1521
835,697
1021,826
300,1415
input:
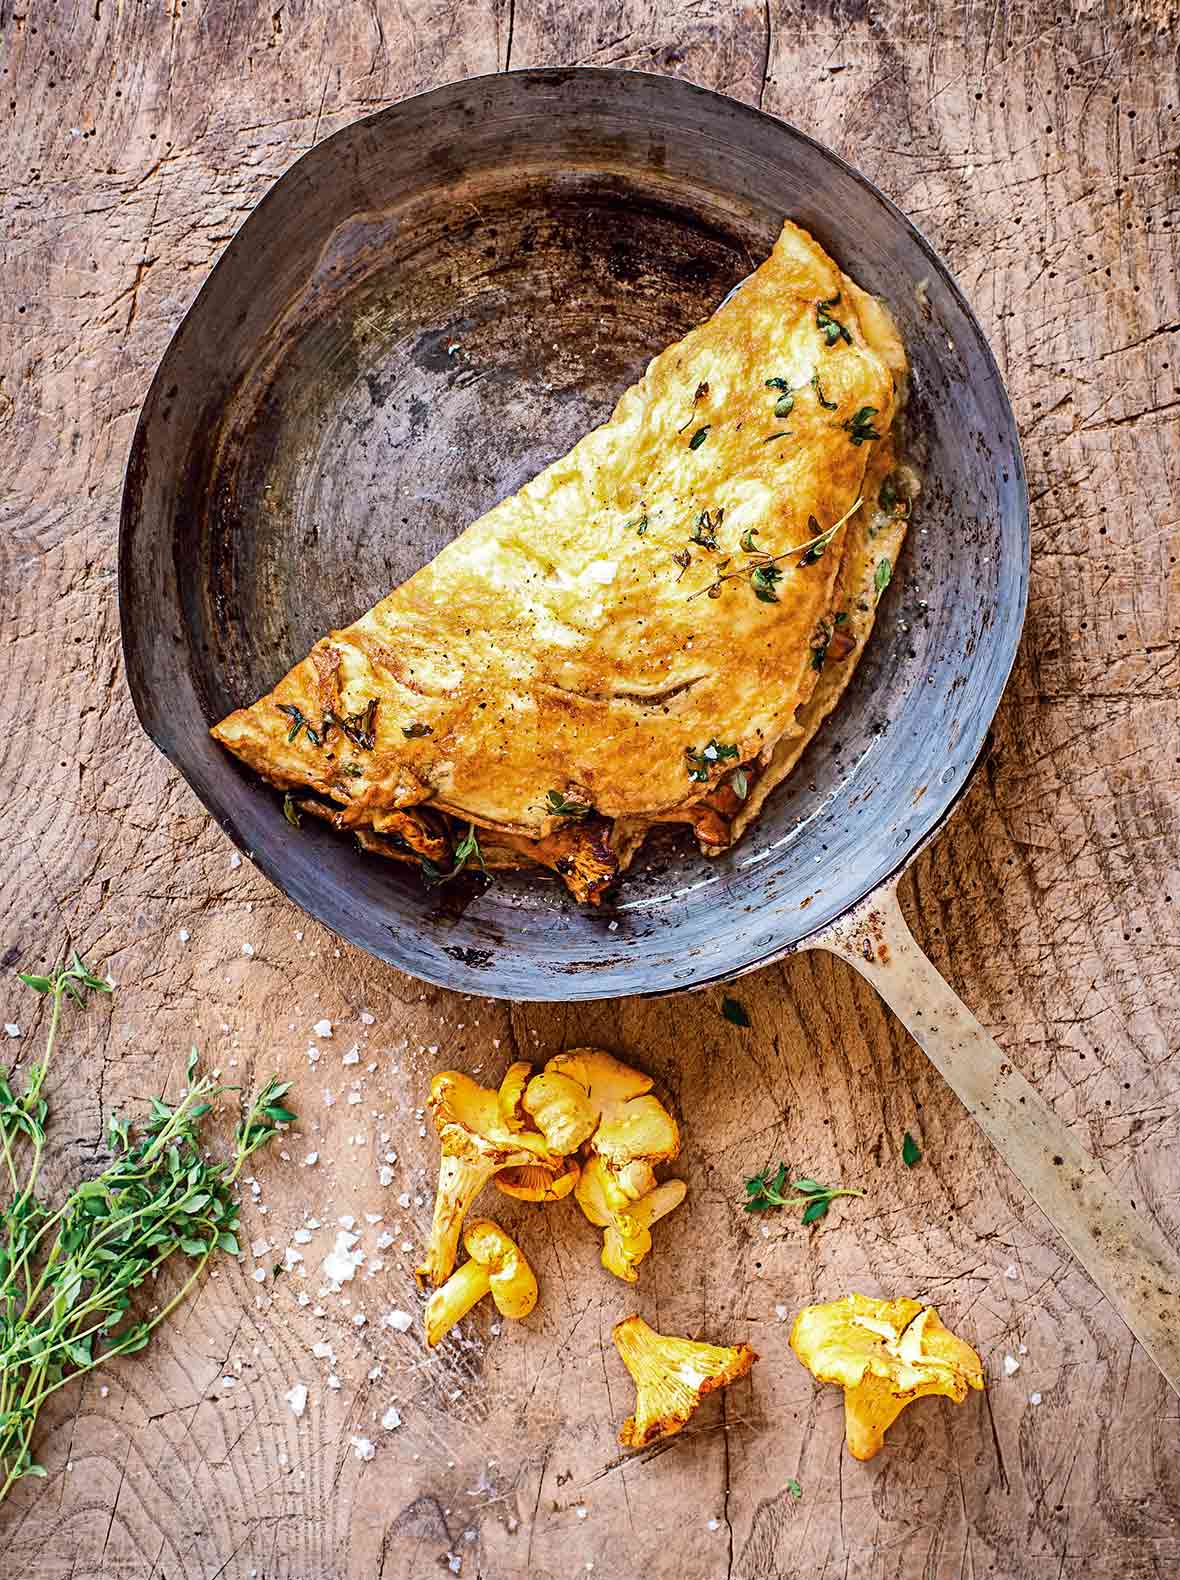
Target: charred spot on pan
x,y
477,959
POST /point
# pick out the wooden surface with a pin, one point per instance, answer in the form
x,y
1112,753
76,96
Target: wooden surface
x,y
1037,147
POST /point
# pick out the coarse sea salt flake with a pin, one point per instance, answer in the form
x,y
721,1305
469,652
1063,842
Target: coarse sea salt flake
x,y
296,1397
362,1448
391,1420
1011,1365
399,1321
322,1028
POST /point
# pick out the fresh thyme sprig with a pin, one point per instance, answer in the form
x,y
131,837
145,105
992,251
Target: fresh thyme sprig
x,y
67,1275
466,850
768,1190
761,574
558,805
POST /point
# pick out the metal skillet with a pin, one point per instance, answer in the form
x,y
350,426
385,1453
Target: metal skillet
x,y
427,308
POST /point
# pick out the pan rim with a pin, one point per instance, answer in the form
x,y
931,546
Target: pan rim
x,y
580,984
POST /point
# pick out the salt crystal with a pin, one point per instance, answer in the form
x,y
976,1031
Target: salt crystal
x,y
11,1027
184,935
303,1299
1034,1398
359,1320
354,1096
367,1019
311,1160
322,1028
581,1511
296,1397
374,1217
103,1391
291,1256
353,1056
391,1420
1022,1349
404,1199
259,1247
399,1321
713,1525
298,937
385,1175
342,1260
229,1382
1011,1366
302,1237
323,1351
247,950
334,1382
259,1275
1010,1271
384,1240
235,861
362,1448
781,1312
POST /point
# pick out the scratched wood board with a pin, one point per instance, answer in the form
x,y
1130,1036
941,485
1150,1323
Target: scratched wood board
x,y
1036,145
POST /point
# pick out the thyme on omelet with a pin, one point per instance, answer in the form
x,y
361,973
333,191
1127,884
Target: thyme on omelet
x,y
832,328
764,573
467,850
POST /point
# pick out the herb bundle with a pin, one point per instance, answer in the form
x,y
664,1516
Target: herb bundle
x,y
67,1274
768,1190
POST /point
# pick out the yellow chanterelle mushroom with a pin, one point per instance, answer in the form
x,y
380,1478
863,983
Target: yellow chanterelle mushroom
x,y
625,1203
497,1265
671,1377
885,1354
476,1143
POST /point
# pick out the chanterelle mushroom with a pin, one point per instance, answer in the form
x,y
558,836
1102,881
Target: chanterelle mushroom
x,y
625,1203
476,1143
588,1095
671,1377
496,1264
885,1354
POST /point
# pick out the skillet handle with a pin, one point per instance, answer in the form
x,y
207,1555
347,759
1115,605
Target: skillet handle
x,y
1137,1271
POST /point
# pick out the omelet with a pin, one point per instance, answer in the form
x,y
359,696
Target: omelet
x,y
635,636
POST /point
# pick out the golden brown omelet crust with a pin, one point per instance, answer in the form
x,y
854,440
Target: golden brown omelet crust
x,y
565,642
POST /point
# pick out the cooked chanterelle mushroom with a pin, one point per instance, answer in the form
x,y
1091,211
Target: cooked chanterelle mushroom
x,y
476,1143
496,1264
885,1354
671,1377
606,1196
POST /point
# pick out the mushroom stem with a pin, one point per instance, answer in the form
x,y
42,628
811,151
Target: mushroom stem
x,y
460,1181
451,1302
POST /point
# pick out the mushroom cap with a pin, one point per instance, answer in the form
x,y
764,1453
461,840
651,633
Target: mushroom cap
x,y
604,1078
641,1128
561,1110
534,1182
885,1354
470,1124
509,1098
672,1376
511,1279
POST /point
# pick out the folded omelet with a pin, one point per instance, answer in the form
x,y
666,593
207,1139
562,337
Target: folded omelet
x,y
647,632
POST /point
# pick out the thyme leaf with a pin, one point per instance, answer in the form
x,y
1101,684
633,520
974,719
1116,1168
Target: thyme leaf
x,y
832,328
860,425
559,806
699,437
699,763
882,576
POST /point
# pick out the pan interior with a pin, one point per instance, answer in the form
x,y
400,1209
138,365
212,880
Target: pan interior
x,y
412,324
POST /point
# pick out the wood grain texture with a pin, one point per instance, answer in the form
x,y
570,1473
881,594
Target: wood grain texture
x,y
1037,147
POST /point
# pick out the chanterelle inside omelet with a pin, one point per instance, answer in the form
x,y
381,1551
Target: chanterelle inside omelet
x,y
630,637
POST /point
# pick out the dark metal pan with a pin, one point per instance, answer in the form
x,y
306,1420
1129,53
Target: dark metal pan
x,y
425,310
